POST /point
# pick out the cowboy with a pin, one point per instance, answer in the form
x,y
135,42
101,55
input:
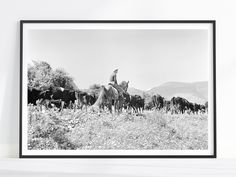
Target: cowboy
x,y
113,78
113,82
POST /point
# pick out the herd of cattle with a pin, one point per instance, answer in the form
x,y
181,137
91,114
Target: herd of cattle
x,y
60,97
65,98
176,105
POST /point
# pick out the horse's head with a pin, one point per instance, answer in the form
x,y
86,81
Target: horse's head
x,y
124,85
103,88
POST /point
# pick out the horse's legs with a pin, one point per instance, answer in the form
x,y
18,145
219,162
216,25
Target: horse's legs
x,y
39,104
76,104
115,106
118,107
110,108
70,105
62,105
47,103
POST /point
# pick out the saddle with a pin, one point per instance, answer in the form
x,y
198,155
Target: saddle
x,y
118,88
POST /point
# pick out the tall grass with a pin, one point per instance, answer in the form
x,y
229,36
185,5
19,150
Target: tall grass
x,y
50,129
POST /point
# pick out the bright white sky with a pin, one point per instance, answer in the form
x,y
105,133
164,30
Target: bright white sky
x,y
145,57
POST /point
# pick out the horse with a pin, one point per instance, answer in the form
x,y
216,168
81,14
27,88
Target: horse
x,y
110,94
122,91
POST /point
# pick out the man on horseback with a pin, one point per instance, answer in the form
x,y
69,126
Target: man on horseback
x,y
113,82
113,78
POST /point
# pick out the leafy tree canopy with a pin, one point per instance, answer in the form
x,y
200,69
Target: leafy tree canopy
x,y
41,75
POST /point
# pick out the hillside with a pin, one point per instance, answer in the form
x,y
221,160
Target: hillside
x,y
134,91
195,92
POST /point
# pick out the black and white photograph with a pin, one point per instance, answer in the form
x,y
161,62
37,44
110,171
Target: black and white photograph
x,y
117,89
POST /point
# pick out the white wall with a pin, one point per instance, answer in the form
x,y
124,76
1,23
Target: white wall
x,y
11,11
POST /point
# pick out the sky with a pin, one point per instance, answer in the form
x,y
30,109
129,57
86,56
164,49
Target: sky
x,y
145,57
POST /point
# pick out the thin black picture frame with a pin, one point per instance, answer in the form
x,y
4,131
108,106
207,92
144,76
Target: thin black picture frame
x,y
212,22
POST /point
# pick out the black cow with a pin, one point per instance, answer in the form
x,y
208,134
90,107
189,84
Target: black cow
x,y
91,99
136,103
127,98
86,99
37,96
202,108
33,95
148,103
141,104
83,99
178,105
158,101
199,108
191,108
64,96
166,105
196,108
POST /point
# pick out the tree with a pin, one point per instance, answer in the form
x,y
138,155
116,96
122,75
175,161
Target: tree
x,y
42,76
60,78
95,89
39,74
31,75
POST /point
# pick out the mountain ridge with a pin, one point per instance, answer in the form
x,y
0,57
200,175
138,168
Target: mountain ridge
x,y
195,91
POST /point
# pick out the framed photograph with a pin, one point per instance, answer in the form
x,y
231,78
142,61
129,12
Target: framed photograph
x,y
112,89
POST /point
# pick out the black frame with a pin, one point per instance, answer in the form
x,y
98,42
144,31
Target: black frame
x,y
213,22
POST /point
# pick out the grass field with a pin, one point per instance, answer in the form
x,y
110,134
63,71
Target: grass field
x,y
50,129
